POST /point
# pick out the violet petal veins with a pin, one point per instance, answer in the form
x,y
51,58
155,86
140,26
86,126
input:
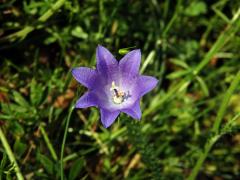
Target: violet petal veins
x,y
114,86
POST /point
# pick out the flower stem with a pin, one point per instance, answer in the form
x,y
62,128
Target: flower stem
x,y
64,141
47,141
215,128
10,155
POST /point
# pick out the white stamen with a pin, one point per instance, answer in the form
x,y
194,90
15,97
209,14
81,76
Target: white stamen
x,y
117,100
118,95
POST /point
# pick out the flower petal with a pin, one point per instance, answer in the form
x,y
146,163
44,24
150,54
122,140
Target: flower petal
x,y
85,76
146,84
106,63
108,117
134,111
87,100
130,63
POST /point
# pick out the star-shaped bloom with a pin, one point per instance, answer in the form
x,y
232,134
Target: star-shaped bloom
x,y
114,86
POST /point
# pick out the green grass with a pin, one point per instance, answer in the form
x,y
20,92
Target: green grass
x,y
190,127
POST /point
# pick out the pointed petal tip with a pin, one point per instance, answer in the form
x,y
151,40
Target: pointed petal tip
x,y
88,99
130,63
139,117
85,76
103,50
155,81
146,84
134,116
100,47
105,61
73,70
76,106
108,117
74,73
137,50
136,53
106,126
134,111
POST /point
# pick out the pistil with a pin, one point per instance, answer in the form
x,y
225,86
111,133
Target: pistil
x,y
118,95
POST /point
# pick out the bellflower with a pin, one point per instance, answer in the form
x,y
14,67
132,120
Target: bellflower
x,y
114,86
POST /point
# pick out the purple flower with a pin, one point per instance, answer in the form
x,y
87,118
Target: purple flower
x,y
114,86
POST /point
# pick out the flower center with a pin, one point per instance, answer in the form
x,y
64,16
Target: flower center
x,y
118,96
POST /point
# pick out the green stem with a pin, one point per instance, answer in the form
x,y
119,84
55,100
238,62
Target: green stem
x,y
10,155
47,141
25,31
171,93
223,107
173,19
225,36
64,141
50,12
202,157
215,128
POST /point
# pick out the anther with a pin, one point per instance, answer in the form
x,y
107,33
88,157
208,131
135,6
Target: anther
x,y
118,96
116,92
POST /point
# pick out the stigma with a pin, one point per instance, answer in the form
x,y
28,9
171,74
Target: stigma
x,y
118,96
